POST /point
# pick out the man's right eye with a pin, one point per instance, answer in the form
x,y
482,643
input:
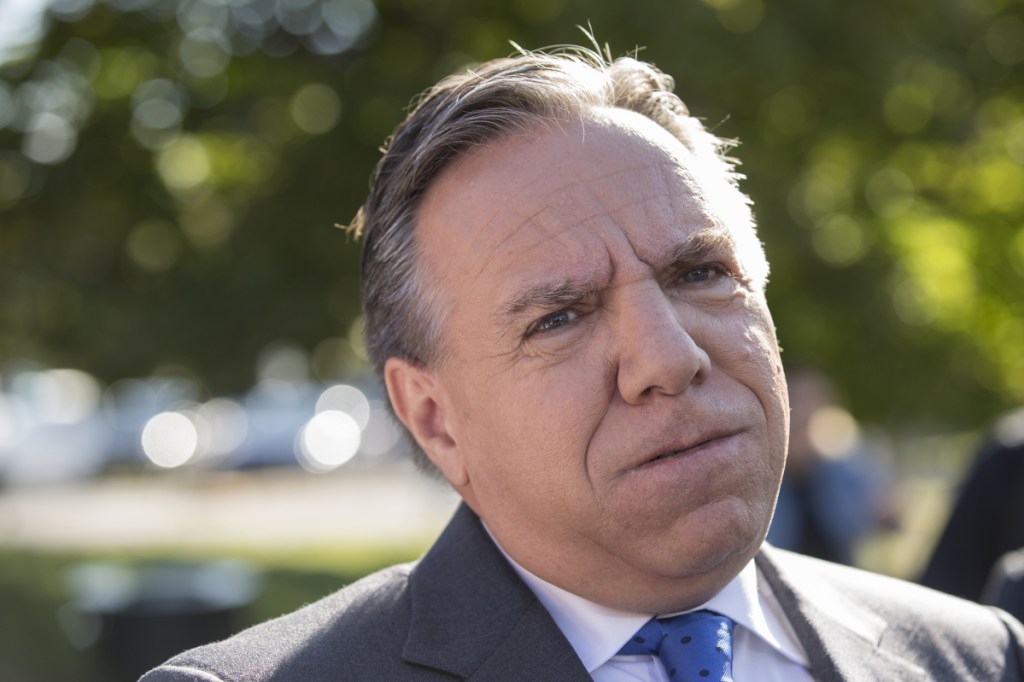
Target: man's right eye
x,y
552,322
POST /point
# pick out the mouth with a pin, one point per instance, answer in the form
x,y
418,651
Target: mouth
x,y
689,449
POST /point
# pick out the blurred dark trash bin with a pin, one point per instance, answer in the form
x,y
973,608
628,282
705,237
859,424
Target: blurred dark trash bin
x,y
134,617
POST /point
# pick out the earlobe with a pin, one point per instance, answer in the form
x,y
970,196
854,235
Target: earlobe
x,y
420,404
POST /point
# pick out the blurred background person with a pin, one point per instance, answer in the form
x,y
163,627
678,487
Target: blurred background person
x,y
835,490
1005,586
987,520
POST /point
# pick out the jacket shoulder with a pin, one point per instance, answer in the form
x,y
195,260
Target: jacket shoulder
x,y
934,631
888,596
352,630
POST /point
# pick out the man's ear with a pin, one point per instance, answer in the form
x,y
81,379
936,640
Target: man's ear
x,y
420,403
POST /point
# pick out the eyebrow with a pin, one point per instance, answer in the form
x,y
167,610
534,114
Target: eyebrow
x,y
698,249
547,295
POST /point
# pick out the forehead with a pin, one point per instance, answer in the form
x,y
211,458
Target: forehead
x,y
593,193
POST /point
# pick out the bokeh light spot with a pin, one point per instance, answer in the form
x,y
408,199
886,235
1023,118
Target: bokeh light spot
x,y
169,439
347,399
59,396
157,110
890,193
123,68
348,19
997,182
740,16
201,54
938,259
158,113
283,362
912,306
183,163
227,425
832,431
839,240
316,108
154,245
1005,40
327,441
792,110
208,223
908,108
50,140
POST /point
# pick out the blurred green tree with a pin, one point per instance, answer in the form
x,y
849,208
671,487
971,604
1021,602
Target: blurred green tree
x,y
170,173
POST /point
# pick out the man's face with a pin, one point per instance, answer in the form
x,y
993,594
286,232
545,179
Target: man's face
x,y
613,404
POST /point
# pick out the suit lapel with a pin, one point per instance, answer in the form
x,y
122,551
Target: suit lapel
x,y
842,637
473,617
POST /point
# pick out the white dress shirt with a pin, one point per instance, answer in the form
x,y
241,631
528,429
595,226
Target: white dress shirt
x,y
765,648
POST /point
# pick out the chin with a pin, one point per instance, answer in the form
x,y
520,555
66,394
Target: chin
x,y
680,587
722,548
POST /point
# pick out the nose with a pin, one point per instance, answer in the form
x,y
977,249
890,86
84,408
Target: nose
x,y
657,354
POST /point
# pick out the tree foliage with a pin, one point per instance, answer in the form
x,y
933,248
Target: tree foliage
x,y
171,172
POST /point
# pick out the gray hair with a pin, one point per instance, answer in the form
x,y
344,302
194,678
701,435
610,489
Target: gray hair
x,y
403,315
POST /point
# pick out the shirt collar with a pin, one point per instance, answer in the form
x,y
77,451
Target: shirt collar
x,y
749,601
597,633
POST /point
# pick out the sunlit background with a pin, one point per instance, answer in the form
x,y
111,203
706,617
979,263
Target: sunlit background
x,y
182,377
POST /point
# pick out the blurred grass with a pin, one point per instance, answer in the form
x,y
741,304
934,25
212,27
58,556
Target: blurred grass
x,y
34,593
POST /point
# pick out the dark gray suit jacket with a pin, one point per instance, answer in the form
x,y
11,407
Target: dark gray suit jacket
x,y
461,612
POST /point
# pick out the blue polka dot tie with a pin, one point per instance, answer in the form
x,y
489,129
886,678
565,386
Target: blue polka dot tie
x,y
693,647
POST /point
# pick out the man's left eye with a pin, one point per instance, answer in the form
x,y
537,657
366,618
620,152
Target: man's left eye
x,y
702,274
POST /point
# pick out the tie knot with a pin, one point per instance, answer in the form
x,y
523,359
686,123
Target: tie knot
x,y
694,646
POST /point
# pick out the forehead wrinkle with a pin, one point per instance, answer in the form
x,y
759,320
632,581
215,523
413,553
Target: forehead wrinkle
x,y
548,220
695,204
589,209
563,199
648,169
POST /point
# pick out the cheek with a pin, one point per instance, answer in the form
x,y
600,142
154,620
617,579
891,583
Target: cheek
x,y
572,392
544,415
743,344
746,349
